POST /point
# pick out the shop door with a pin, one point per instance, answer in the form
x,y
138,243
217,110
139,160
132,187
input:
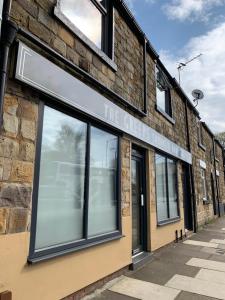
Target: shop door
x,y
139,225
188,211
215,204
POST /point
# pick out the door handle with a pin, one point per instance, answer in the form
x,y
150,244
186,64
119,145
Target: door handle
x,y
142,200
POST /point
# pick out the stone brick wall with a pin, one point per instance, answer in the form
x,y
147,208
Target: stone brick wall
x,y
205,211
17,152
220,168
125,177
21,105
128,81
175,132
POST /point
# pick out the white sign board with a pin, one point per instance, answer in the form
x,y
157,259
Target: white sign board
x,y
39,72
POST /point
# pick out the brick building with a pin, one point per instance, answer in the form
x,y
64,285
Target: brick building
x,y
103,158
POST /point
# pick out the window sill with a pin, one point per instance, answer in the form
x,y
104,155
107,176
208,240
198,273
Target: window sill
x,y
202,146
167,222
83,38
165,115
41,256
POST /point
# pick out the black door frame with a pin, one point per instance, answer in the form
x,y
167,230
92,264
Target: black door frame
x,y
215,207
139,154
187,198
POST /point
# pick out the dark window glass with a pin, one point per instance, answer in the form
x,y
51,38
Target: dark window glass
x,y
166,188
163,96
62,214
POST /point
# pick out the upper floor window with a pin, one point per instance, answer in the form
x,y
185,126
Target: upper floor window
x,y
163,95
91,20
200,135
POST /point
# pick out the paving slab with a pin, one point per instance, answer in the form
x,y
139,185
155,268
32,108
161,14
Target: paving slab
x,y
217,241
201,244
207,264
190,296
197,286
211,275
108,295
144,290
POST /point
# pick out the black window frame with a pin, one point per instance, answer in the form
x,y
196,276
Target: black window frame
x,y
35,256
168,220
106,52
168,112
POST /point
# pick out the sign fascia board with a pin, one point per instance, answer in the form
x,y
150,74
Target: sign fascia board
x,y
40,73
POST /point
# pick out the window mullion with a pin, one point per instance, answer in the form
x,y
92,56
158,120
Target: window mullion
x,y
86,185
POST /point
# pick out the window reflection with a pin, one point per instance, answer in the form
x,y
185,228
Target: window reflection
x,y
172,187
166,188
162,211
85,16
102,190
61,184
163,92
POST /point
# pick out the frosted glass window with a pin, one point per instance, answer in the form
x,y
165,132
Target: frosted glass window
x,y
102,212
61,180
161,193
166,188
172,188
85,16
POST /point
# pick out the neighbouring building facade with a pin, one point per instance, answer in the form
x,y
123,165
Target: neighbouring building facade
x,y
103,158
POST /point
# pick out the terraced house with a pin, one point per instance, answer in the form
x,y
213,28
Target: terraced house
x,y
103,158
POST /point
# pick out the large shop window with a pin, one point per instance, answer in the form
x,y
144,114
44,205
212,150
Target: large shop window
x,y
92,18
163,95
77,195
166,189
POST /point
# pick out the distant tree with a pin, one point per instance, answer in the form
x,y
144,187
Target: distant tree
x,y
221,138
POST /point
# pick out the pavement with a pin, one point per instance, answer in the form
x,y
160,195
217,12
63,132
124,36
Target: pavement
x,y
193,269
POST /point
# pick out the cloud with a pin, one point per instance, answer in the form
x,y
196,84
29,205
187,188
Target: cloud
x,y
193,10
206,73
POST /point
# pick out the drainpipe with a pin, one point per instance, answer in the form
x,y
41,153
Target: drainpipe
x,y
191,173
8,33
217,187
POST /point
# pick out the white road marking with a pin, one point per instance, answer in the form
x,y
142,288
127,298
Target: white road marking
x,y
207,264
200,243
197,286
211,275
144,290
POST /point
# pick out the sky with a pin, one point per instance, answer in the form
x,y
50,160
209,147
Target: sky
x,y
182,29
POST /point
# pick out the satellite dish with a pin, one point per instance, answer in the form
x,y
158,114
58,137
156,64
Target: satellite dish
x,y
197,94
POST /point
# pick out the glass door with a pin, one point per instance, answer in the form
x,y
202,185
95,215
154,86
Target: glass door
x,y
138,203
